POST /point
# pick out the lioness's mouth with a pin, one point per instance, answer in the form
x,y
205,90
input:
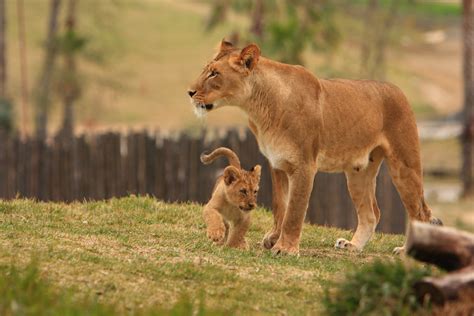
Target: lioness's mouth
x,y
208,106
246,209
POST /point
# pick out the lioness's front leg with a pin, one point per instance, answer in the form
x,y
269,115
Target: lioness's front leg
x,y
279,204
300,187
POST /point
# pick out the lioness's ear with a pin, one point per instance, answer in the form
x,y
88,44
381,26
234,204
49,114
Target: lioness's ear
x,y
231,174
225,45
249,56
257,170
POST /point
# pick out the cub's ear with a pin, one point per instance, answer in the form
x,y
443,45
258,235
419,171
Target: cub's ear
x,y
257,170
249,56
231,174
225,45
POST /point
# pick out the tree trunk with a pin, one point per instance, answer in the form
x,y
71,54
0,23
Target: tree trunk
x,y
467,137
23,68
43,88
446,288
366,49
3,65
445,247
257,19
70,88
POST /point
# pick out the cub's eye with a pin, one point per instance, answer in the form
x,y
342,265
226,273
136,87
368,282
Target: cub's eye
x,y
255,192
243,191
213,74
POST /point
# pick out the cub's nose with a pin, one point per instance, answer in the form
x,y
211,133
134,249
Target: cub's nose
x,y
191,93
251,205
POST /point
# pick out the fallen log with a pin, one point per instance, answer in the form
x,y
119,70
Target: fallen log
x,y
449,249
446,288
445,247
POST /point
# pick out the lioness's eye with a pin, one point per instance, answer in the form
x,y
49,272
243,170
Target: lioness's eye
x,y
213,74
243,191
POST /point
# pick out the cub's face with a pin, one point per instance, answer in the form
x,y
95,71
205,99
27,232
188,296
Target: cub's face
x,y
242,187
222,81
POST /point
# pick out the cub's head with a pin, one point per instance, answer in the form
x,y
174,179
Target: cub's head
x,y
222,81
241,186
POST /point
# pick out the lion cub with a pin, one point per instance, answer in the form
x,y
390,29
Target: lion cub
x,y
227,214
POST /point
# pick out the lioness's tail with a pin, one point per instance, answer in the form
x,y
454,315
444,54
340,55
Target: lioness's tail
x,y
221,151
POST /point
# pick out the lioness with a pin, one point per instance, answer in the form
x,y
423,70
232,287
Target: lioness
x,y
304,124
227,214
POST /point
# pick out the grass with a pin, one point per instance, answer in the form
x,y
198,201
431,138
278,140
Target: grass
x,y
135,253
25,292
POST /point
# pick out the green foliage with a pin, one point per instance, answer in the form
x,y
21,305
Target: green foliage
x,y
70,42
379,288
6,114
24,292
289,27
296,25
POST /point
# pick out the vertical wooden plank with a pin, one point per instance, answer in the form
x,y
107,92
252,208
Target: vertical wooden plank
x,y
160,180
194,165
140,140
183,168
132,185
3,164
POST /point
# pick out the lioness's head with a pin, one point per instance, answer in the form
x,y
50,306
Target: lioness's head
x,y
222,81
241,186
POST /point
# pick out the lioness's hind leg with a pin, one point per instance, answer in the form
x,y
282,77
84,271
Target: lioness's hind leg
x,y
216,229
361,184
405,169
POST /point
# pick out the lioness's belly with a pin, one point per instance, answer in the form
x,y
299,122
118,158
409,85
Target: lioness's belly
x,y
342,162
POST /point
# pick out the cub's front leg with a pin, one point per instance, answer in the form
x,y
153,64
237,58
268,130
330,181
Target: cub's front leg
x,y
216,229
237,231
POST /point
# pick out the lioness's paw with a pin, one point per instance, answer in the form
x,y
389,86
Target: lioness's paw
x,y
399,250
241,245
280,250
216,235
342,243
436,221
270,240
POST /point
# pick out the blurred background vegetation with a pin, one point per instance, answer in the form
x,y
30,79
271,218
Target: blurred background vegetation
x,y
135,58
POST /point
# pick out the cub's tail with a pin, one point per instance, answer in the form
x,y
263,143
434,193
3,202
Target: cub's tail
x,y
221,151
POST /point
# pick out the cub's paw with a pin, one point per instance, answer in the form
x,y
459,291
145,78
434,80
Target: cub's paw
x,y
342,243
436,221
399,250
270,240
241,245
216,235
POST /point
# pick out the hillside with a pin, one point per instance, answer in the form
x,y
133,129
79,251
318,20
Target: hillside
x,y
138,252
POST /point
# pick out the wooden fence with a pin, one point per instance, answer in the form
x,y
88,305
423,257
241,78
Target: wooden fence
x,y
109,165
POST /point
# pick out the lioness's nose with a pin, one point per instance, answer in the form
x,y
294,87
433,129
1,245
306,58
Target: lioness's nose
x,y
191,93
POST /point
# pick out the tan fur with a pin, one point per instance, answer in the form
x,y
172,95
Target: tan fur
x,y
227,214
304,124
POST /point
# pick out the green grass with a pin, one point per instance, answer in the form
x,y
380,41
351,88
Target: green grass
x,y
135,253
380,288
25,292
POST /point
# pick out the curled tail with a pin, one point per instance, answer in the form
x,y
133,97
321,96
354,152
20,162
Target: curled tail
x,y
221,151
